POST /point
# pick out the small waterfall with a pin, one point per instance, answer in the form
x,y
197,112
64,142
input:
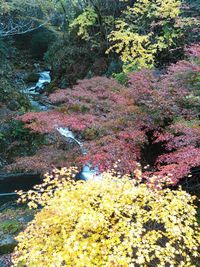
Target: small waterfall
x,y
44,78
87,172
33,91
11,182
69,134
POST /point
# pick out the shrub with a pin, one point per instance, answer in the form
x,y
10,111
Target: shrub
x,y
65,57
152,111
17,141
112,222
121,78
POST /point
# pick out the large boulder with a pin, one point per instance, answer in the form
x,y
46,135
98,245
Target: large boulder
x,y
7,244
13,105
31,77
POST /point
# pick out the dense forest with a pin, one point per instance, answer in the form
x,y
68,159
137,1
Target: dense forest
x,y
99,133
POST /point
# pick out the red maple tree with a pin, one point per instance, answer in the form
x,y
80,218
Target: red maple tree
x,y
117,122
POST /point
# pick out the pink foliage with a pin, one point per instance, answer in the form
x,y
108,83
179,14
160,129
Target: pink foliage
x,y
186,156
166,96
116,121
49,121
142,84
193,51
124,146
179,163
60,96
98,95
179,135
45,159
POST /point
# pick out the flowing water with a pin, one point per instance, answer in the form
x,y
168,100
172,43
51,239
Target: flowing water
x,y
33,92
87,172
11,182
25,182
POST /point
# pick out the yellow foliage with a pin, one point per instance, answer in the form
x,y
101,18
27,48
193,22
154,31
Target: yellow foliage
x,y
136,50
84,21
112,222
167,8
144,29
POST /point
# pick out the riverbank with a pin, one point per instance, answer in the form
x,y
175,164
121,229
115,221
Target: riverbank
x,y
24,73
14,218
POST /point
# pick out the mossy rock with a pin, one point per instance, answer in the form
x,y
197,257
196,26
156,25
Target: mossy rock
x,y
32,77
7,244
10,227
51,87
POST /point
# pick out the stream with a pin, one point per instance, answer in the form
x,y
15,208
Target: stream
x,y
21,181
34,92
87,172
11,182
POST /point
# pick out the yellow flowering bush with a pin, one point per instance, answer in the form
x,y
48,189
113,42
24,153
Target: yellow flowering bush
x,y
109,222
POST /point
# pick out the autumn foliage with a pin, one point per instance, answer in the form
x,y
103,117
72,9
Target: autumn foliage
x,y
113,222
123,123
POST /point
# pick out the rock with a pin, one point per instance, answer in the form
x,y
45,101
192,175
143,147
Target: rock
x,y
10,177
7,205
63,84
32,77
5,261
41,90
25,219
2,264
2,162
37,67
38,90
11,227
45,84
13,105
7,244
4,113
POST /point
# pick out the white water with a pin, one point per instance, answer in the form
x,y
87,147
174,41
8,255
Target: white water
x,y
32,91
68,134
44,78
87,173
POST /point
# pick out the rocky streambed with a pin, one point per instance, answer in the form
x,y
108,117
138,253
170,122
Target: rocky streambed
x,y
14,217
